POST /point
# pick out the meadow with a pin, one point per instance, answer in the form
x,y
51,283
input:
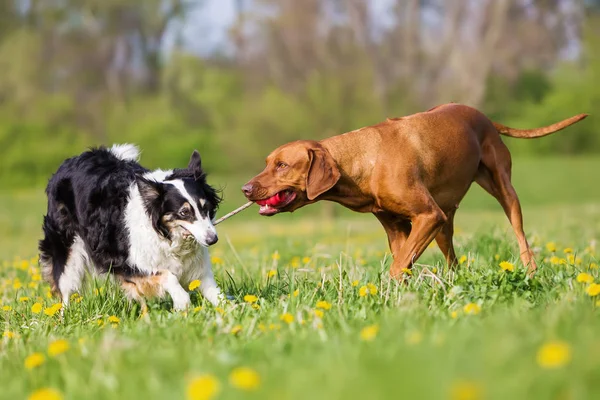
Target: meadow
x,y
315,315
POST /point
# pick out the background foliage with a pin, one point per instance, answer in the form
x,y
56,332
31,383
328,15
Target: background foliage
x,y
77,73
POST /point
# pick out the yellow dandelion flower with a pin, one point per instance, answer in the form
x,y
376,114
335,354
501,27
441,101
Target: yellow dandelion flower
x,y
53,309
6,308
287,318
216,260
76,297
554,354
305,260
45,394
113,319
244,378
462,259
372,288
472,309
506,266
255,306
368,333
275,256
593,266
554,260
57,347
17,284
34,360
585,278
36,277
322,304
355,283
196,309
32,285
369,288
363,291
271,273
100,322
551,247
220,310
296,292
8,334
568,250
593,289
23,299
274,327
195,284
466,390
203,387
236,329
250,298
414,338
262,327
319,314
497,257
454,314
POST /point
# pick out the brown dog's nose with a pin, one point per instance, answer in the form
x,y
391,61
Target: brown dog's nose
x,y
247,189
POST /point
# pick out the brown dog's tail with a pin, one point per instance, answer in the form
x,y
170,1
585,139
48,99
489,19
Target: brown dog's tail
x,y
537,132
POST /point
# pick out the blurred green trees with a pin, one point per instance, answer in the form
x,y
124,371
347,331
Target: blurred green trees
x,y
78,73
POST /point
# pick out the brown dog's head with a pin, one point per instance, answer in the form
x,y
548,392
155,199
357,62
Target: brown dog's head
x,y
296,173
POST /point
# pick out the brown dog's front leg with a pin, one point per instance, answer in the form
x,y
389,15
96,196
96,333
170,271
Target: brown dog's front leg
x,y
396,228
425,227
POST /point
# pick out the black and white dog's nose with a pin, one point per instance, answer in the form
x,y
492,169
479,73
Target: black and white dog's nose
x,y
211,238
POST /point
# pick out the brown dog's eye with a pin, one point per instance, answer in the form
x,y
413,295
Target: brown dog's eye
x,y
281,165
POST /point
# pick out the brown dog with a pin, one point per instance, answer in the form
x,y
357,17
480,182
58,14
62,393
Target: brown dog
x,y
411,172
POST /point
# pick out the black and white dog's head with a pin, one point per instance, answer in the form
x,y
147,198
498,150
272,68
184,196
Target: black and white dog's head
x,y
180,203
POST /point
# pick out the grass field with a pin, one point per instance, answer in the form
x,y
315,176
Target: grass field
x,y
316,316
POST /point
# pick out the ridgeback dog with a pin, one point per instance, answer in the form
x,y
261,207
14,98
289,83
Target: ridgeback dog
x,y
410,172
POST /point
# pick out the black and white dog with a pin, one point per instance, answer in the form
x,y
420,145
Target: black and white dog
x,y
150,229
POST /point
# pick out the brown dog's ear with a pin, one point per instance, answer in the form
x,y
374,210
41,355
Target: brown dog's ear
x,y
323,173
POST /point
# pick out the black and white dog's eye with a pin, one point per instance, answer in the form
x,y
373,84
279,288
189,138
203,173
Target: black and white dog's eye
x,y
184,213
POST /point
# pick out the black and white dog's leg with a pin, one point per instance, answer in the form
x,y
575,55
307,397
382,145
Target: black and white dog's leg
x,y
70,280
209,288
181,298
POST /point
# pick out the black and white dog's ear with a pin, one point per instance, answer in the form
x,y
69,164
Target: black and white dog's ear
x,y
150,190
152,193
195,165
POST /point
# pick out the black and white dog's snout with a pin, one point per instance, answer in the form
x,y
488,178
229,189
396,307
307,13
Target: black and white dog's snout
x,y
211,238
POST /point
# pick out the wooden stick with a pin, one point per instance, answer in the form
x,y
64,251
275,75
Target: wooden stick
x,y
231,214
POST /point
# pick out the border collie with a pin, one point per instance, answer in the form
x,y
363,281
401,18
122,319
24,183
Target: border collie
x,y
150,229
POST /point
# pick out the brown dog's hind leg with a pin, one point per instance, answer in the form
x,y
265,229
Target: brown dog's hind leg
x,y
444,240
494,177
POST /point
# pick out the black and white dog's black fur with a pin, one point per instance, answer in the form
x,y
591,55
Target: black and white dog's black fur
x,y
151,229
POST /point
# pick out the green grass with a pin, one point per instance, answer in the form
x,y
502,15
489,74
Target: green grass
x,y
426,345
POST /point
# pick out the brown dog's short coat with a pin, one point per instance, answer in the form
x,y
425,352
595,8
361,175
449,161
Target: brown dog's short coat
x,y
410,172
